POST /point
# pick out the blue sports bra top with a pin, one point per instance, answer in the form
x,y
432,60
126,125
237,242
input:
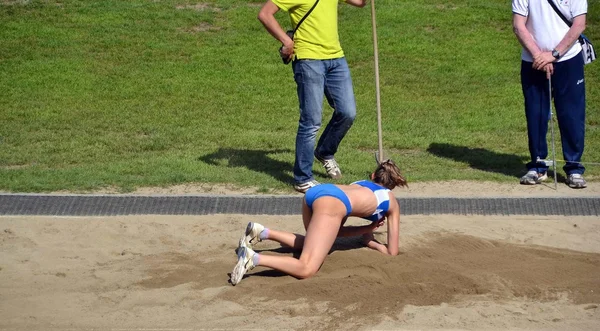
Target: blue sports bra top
x,y
383,199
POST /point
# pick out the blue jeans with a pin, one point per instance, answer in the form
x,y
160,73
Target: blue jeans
x,y
315,78
568,90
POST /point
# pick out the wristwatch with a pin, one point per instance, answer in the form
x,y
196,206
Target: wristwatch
x,y
555,53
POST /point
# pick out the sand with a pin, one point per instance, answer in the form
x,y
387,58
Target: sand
x,y
455,272
151,272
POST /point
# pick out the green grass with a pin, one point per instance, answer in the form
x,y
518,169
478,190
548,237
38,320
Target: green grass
x,y
125,94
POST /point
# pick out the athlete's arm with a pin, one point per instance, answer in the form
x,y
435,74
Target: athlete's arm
x,y
352,231
393,229
357,3
369,241
393,226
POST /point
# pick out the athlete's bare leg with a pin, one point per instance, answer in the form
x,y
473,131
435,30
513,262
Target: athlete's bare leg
x,y
294,240
322,230
306,214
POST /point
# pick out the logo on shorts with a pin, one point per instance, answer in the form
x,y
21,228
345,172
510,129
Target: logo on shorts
x,y
379,213
579,81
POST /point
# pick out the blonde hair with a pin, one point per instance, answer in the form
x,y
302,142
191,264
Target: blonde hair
x,y
388,174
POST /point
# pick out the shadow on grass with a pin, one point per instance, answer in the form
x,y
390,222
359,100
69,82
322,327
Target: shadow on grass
x,y
255,160
482,159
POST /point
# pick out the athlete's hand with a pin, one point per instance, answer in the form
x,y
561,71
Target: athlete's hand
x,y
367,238
377,224
369,241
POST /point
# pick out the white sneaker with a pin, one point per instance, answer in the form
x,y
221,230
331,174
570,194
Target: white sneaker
x,y
533,177
302,188
252,234
576,181
244,264
331,166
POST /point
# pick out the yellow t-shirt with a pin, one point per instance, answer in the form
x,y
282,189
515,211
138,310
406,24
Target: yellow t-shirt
x,y
317,38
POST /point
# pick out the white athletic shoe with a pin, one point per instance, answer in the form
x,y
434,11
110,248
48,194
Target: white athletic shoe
x,y
244,263
331,166
533,177
252,234
302,188
576,181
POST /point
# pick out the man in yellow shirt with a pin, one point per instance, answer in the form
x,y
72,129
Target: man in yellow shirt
x,y
320,68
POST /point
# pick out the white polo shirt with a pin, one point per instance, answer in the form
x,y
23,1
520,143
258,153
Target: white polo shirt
x,y
545,26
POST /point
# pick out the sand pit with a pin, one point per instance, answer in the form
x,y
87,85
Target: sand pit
x,y
171,273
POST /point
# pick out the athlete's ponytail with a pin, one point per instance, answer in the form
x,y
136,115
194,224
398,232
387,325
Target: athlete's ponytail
x,y
388,174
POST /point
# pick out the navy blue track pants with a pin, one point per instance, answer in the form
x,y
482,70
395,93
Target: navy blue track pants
x,y
568,91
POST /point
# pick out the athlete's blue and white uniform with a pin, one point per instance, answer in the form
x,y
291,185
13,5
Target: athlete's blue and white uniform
x,y
383,199
327,190
330,190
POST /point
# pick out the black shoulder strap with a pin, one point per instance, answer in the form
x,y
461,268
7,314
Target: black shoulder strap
x,y
306,15
567,22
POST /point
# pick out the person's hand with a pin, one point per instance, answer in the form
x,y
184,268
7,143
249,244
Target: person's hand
x,y
367,238
377,224
369,241
287,50
542,59
549,69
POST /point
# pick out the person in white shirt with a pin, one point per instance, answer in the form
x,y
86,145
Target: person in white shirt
x,y
552,56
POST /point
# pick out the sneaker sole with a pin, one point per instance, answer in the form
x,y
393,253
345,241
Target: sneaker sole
x,y
534,182
241,244
238,271
301,190
528,182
